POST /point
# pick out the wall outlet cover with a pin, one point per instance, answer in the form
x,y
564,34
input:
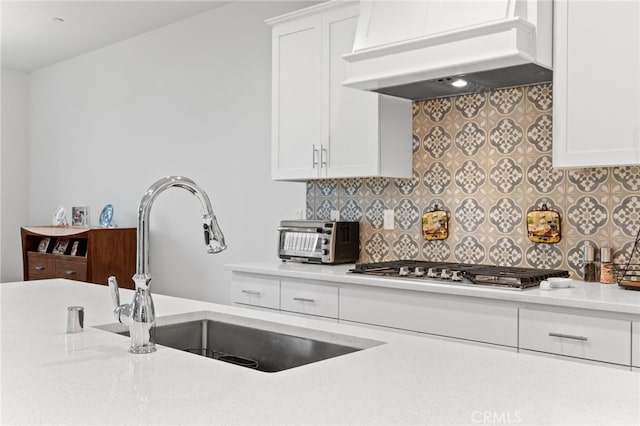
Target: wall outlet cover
x,y
388,218
335,215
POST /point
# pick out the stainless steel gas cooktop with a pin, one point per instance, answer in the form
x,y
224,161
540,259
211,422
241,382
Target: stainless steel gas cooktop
x,y
460,273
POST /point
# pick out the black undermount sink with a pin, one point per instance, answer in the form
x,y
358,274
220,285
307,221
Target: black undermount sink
x,y
257,348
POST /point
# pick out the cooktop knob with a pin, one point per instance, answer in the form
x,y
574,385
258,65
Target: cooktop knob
x,y
404,271
445,274
456,276
419,271
432,273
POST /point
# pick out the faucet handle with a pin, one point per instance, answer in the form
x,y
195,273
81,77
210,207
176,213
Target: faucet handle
x,y
115,292
121,312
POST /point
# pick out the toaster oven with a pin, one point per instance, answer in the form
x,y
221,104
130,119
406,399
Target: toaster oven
x,y
314,241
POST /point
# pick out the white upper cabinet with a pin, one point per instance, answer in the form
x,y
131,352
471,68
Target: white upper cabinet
x,y
320,128
596,83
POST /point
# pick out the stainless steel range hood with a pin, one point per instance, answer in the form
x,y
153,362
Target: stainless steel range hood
x,y
422,49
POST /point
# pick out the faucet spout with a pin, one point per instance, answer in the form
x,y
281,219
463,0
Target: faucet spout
x,y
140,314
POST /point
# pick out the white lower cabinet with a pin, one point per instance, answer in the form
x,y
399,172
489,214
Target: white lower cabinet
x,y
635,341
255,291
311,299
578,336
452,316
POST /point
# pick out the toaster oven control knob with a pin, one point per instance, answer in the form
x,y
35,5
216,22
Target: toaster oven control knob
x,y
419,271
325,241
325,252
404,271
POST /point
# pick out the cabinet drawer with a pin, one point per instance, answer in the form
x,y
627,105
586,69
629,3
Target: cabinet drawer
x,y
40,267
579,336
311,299
71,270
450,316
635,341
255,291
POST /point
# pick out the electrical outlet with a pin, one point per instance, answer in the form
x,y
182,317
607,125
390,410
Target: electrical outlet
x,y
335,215
388,219
299,213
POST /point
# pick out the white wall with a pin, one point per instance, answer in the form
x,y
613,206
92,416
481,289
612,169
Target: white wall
x,y
192,99
13,172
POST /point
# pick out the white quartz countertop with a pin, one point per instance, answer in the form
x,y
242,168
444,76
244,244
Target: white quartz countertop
x,y
584,295
49,377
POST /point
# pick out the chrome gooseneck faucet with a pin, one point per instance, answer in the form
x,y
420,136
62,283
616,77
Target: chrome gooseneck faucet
x,y
139,315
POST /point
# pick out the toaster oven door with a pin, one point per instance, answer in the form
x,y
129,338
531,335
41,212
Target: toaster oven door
x,y
301,244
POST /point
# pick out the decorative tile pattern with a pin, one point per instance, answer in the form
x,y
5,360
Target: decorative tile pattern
x,y
470,139
437,178
540,133
437,109
486,159
405,247
506,175
469,215
470,176
506,216
626,216
588,180
505,252
376,247
542,176
437,142
407,214
628,176
470,105
505,136
587,215
505,101
469,250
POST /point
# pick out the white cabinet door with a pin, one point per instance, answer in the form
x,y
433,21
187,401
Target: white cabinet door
x,y
596,83
255,291
635,341
311,299
296,91
450,316
578,336
322,129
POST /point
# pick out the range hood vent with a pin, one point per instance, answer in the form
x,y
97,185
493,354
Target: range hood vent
x,y
418,49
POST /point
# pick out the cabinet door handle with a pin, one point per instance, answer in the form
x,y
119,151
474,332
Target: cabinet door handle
x,y
568,336
323,156
251,292
39,268
70,272
314,156
304,299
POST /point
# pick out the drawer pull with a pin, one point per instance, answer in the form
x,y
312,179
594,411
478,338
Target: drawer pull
x,y
304,299
70,272
568,336
251,292
39,268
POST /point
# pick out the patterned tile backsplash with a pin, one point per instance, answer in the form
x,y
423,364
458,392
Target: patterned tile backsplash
x,y
486,159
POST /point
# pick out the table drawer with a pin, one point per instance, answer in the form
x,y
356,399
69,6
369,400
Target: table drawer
x,y
40,267
71,270
255,291
578,336
311,299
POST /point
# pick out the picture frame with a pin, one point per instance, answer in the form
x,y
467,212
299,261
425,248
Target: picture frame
x,y
44,245
74,248
79,216
61,246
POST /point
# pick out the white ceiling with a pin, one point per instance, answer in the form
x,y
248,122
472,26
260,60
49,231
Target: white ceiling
x,y
31,39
